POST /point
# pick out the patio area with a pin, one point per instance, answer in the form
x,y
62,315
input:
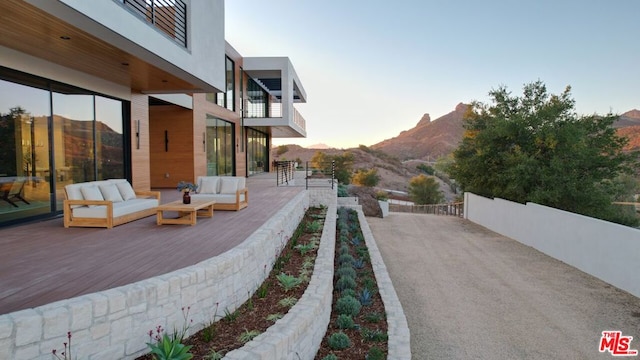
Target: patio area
x,y
43,262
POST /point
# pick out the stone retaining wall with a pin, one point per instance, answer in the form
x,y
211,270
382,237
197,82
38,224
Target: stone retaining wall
x,y
398,329
114,324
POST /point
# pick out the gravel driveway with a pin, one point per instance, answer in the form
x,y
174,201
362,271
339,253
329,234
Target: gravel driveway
x,y
469,293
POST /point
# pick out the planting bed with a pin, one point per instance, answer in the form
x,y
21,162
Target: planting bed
x,y
358,327
269,302
287,282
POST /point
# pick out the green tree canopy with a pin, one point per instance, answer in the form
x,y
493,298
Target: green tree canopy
x,y
535,148
425,190
343,165
364,177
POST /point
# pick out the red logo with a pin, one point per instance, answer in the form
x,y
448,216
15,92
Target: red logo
x,y
616,344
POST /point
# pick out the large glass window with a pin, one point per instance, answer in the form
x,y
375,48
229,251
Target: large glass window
x,y
257,152
227,98
24,152
52,135
220,145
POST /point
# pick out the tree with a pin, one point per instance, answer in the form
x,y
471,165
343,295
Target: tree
x,y
425,190
369,178
535,148
343,165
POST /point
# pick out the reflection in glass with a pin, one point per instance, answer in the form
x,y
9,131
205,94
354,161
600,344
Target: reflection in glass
x,y
220,155
109,138
257,151
24,152
83,135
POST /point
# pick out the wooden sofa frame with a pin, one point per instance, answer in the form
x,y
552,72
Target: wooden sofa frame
x,y
238,204
109,221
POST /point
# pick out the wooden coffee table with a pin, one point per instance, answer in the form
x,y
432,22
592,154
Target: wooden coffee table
x,y
187,213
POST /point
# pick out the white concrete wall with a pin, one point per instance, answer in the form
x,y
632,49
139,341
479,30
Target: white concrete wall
x,y
608,251
114,324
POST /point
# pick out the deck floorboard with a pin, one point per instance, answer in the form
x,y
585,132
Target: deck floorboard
x,y
43,262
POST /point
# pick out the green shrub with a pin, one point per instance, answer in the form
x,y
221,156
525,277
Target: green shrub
x,y
348,305
374,317
342,190
345,259
375,353
330,357
345,322
369,283
348,292
248,335
345,282
346,271
344,249
339,341
288,282
373,335
170,349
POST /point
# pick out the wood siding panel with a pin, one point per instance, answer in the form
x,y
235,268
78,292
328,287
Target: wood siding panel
x,y
174,162
140,171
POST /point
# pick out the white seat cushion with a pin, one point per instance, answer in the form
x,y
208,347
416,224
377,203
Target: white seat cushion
x,y
119,209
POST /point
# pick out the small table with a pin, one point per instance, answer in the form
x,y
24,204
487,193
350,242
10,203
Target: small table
x,y
187,213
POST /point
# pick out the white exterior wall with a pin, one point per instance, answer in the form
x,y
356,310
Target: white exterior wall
x,y
202,62
608,251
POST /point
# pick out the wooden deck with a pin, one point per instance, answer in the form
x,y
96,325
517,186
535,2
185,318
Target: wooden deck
x,y
43,262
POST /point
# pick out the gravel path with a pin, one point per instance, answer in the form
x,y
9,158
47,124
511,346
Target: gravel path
x,y
469,293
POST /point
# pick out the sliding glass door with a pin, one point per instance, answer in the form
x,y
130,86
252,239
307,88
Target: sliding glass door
x,y
220,147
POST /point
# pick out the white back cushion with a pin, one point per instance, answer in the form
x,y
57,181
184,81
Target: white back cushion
x,y
208,185
229,185
126,191
110,192
91,192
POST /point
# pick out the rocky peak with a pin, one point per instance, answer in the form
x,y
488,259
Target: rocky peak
x,y
424,120
635,114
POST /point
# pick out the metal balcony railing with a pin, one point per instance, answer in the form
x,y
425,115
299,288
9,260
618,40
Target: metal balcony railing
x,y
168,16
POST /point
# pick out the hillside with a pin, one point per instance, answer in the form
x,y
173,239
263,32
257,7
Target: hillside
x,y
394,175
428,139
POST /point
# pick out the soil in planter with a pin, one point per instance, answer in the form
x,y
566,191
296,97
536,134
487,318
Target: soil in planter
x,y
370,325
266,305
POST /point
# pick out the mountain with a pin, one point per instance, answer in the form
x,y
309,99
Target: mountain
x,y
630,118
428,139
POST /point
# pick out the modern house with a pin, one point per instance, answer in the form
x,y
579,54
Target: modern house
x,y
147,90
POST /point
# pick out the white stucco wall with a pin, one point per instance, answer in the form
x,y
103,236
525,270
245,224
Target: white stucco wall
x,y
608,251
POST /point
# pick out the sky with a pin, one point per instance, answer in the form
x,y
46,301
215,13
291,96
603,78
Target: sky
x,y
373,68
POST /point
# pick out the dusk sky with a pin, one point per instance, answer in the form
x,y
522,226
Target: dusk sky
x,y
372,68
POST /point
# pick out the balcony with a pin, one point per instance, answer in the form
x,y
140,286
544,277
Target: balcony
x,y
278,78
290,126
168,16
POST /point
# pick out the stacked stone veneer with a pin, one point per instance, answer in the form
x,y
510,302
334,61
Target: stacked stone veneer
x,y
297,336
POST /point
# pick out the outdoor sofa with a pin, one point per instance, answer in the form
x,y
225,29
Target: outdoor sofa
x,y
106,203
229,192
